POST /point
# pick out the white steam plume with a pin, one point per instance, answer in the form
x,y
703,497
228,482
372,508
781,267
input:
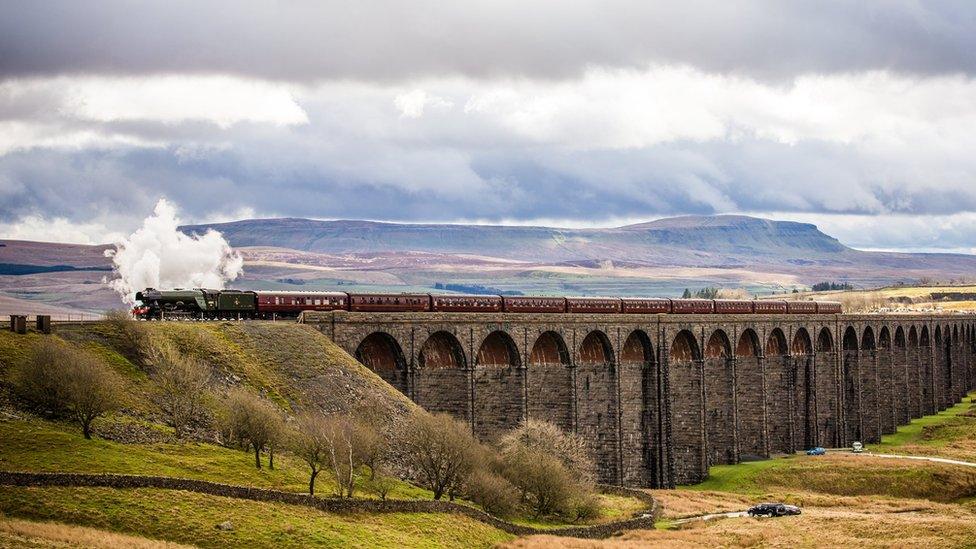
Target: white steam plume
x,y
159,256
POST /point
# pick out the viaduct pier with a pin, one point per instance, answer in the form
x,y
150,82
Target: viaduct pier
x,y
660,398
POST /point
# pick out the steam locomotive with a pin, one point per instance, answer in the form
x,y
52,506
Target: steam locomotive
x,y
239,304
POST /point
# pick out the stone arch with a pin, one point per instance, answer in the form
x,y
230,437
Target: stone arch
x,y
867,340
596,402
549,381
718,345
801,343
719,398
498,350
641,420
750,396
684,348
828,405
441,350
851,393
900,340
779,397
441,378
803,391
776,343
825,341
596,349
381,353
748,345
497,384
687,435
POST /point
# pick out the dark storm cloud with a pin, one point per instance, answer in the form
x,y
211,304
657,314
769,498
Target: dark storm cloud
x,y
382,40
509,184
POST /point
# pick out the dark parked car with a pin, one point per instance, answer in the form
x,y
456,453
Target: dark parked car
x,y
773,510
818,451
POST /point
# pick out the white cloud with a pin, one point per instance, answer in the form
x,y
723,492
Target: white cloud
x,y
412,104
39,229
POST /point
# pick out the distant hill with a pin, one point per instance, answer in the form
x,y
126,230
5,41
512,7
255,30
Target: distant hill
x,y
725,241
657,258
691,241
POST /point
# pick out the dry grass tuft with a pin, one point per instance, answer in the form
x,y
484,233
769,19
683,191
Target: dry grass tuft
x,y
25,533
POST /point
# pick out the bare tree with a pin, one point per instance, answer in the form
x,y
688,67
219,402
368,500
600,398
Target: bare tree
x,y
545,482
341,436
68,382
182,387
440,450
251,421
308,442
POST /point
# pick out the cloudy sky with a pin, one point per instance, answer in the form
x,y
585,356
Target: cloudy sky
x,y
857,116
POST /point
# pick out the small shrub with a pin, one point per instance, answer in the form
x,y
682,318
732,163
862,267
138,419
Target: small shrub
x,y
252,422
546,483
492,492
586,507
132,338
381,484
182,387
68,382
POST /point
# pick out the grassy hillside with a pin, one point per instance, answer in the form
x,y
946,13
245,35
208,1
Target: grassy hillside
x,y
193,518
292,364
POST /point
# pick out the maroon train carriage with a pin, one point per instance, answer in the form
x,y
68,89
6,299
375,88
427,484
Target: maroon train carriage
x,y
285,303
389,302
829,307
645,305
770,307
592,305
733,306
534,304
692,306
466,303
801,307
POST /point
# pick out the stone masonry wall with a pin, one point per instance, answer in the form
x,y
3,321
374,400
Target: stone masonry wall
x,y
653,402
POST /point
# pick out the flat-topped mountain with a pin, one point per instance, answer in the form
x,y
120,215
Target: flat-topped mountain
x,y
691,241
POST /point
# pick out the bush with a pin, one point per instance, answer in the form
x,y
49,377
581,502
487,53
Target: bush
x,y
546,483
182,387
68,382
381,484
131,337
440,451
492,492
252,422
546,437
553,469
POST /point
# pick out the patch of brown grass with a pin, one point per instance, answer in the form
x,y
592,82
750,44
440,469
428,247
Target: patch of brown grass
x,y
688,503
26,533
836,527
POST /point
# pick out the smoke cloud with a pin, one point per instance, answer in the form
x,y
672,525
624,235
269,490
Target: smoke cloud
x,y
158,255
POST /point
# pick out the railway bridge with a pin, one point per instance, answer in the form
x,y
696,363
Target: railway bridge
x,y
660,398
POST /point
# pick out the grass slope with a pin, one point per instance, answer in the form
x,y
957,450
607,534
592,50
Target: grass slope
x,y
191,518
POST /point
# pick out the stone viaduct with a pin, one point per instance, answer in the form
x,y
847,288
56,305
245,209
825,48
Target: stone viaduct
x,y
660,398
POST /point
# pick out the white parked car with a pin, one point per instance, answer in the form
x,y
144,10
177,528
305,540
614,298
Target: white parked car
x,y
857,447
